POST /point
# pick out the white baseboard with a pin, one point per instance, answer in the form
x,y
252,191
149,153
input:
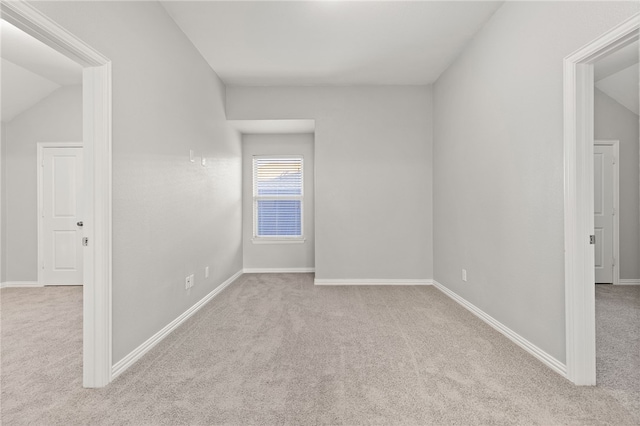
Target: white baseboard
x,y
534,350
631,281
8,284
278,270
126,362
371,282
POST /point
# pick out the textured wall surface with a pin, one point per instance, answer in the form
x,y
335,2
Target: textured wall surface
x,y
498,164
171,217
56,118
372,169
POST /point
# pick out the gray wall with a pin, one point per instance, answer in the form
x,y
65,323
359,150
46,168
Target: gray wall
x,y
171,217
498,164
613,121
373,174
278,255
56,118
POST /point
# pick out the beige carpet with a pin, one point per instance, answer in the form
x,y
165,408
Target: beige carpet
x,y
275,349
618,343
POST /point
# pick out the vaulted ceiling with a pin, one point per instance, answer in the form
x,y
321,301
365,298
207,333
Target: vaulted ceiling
x,y
330,42
618,75
30,71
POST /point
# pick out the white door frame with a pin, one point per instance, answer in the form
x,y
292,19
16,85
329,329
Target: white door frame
x,y
616,204
96,107
40,146
578,199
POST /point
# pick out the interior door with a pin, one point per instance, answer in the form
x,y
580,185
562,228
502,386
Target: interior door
x,y
61,206
603,212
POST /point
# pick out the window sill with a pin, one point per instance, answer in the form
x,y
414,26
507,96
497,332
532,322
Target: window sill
x,y
267,240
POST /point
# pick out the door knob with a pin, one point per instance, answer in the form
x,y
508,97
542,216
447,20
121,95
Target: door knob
x,y
79,223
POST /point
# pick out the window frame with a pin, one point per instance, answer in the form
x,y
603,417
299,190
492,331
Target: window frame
x,y
280,239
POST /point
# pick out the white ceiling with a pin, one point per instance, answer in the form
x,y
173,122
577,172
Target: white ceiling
x,y
30,71
624,87
330,42
617,61
27,52
618,75
21,89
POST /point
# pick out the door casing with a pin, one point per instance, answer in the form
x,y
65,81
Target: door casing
x,y
578,94
616,205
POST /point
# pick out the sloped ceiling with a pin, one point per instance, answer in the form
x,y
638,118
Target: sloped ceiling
x,y
618,76
21,89
623,86
330,42
30,71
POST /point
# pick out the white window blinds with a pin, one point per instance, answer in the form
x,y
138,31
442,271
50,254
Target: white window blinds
x,y
278,196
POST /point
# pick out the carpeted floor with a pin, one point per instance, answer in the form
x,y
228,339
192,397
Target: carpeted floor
x,y
275,349
618,343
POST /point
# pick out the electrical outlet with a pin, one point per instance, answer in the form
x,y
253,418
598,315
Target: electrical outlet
x,y
464,275
188,283
206,272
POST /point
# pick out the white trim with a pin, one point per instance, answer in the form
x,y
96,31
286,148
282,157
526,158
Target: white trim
x,y
631,281
525,344
35,23
97,337
97,179
270,240
616,203
578,199
13,284
126,362
278,270
40,146
321,281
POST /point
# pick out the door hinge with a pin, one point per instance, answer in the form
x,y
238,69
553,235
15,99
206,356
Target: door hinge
x,y
614,211
592,239
613,262
85,241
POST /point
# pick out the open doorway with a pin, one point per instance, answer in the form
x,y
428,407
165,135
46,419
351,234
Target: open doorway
x,y
42,189
616,167
96,176
617,224
579,198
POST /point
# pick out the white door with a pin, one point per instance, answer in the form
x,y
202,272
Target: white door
x,y
61,204
603,212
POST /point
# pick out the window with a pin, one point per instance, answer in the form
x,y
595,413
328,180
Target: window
x,y
277,198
